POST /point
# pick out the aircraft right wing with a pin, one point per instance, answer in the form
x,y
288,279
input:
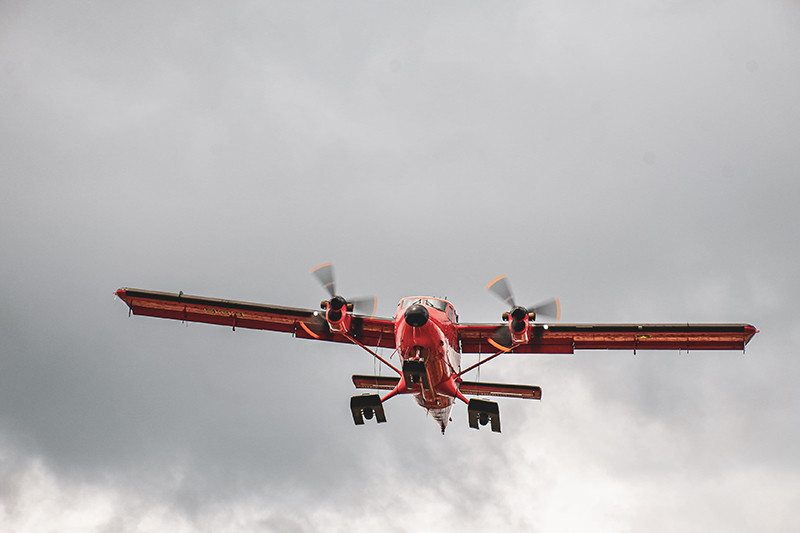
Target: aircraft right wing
x,y
566,338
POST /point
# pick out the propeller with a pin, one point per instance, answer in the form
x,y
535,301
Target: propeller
x,y
324,273
502,289
366,306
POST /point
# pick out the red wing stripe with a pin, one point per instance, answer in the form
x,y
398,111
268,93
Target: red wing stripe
x,y
498,346
303,325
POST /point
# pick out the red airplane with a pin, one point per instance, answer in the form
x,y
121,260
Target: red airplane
x,y
427,335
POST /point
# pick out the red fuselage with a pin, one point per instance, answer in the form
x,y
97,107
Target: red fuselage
x,y
425,332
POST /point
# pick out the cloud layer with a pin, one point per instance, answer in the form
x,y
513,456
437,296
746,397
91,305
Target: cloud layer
x,y
637,160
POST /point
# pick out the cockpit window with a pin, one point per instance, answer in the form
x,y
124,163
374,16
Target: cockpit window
x,y
428,302
438,304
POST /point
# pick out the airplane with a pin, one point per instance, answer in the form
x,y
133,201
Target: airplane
x,y
430,339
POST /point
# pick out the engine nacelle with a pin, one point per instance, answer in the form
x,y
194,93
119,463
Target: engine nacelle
x,y
518,322
336,314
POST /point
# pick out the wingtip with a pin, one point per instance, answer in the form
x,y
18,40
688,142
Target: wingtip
x,y
750,331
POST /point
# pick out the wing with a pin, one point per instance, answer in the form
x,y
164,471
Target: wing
x,y
566,338
302,323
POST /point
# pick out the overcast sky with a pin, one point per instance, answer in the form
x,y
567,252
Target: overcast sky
x,y
638,159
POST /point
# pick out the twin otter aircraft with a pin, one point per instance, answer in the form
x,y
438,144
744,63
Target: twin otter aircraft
x,y
426,333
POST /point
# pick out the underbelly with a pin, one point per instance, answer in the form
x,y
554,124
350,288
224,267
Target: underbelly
x,y
435,401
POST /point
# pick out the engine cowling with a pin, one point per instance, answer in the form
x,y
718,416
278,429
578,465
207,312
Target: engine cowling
x,y
336,315
518,321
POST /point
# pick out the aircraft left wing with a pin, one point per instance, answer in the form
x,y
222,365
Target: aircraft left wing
x,y
302,323
566,338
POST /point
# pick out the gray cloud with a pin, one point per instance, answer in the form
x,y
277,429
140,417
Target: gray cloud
x,y
637,160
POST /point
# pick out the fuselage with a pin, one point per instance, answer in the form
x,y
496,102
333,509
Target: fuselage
x,y
425,334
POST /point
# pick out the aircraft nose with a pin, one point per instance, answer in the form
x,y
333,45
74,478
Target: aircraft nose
x,y
416,316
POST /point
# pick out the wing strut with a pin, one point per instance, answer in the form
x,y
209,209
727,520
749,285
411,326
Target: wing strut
x,y
479,363
375,355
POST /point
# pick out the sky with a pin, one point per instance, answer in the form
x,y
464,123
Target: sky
x,y
637,159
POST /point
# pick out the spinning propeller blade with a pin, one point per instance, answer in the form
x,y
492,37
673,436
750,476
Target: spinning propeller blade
x,y
324,273
502,289
551,308
367,305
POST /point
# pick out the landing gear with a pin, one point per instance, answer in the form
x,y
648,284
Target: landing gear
x,y
414,372
483,412
367,406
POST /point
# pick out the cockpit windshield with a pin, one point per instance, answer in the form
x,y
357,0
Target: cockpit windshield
x,y
441,305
